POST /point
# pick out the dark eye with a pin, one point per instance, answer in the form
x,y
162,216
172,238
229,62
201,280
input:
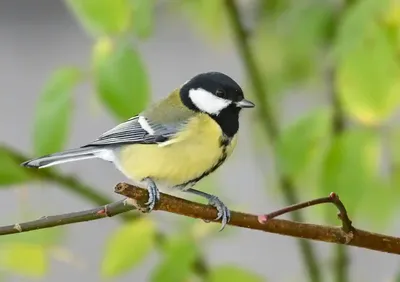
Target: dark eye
x,y
220,93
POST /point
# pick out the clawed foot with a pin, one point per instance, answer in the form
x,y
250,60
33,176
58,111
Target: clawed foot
x,y
154,196
223,212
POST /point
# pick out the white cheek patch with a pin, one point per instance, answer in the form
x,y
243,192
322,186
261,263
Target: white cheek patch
x,y
207,102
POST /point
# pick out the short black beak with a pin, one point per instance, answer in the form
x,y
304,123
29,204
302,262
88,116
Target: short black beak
x,y
245,104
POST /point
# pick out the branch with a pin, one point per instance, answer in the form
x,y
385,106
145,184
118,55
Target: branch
x,y
68,218
136,197
333,198
271,127
360,238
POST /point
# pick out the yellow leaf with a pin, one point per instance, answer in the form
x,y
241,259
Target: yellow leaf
x,y
25,259
368,79
391,16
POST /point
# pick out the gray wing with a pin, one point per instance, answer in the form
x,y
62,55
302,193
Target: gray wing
x,y
138,130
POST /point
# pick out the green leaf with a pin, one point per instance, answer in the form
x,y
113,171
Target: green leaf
x,y
25,259
233,273
368,71
299,142
357,23
11,172
304,27
378,205
206,16
350,167
142,19
54,110
180,253
121,79
128,246
293,48
101,17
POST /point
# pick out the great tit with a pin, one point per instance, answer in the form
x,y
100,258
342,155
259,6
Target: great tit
x,y
174,143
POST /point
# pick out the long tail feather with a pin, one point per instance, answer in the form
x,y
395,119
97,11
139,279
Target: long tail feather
x,y
63,157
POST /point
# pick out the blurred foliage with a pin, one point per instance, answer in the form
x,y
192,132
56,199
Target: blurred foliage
x,y
180,252
224,273
11,172
102,17
351,166
118,72
128,245
54,111
301,141
28,254
13,259
368,67
296,44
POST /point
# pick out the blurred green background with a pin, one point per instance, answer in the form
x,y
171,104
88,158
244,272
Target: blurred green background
x,y
324,75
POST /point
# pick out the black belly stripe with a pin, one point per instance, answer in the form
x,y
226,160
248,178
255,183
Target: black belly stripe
x,y
224,142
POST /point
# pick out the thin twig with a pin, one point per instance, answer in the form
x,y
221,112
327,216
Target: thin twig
x,y
271,128
68,218
333,198
360,238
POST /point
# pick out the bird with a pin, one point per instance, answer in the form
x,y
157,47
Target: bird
x,y
172,144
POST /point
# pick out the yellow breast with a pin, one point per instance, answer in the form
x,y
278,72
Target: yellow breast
x,y
194,152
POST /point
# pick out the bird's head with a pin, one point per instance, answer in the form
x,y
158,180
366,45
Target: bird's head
x,y
212,93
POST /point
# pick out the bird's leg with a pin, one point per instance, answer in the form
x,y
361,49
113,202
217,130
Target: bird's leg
x,y
223,212
154,194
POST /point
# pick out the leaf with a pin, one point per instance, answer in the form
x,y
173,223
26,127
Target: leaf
x,y
391,16
300,141
350,167
180,253
294,46
24,259
304,28
11,172
120,79
378,205
54,110
233,273
368,81
128,246
101,17
358,21
206,16
368,72
142,19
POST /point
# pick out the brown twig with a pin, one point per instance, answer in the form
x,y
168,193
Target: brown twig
x,y
360,238
333,198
